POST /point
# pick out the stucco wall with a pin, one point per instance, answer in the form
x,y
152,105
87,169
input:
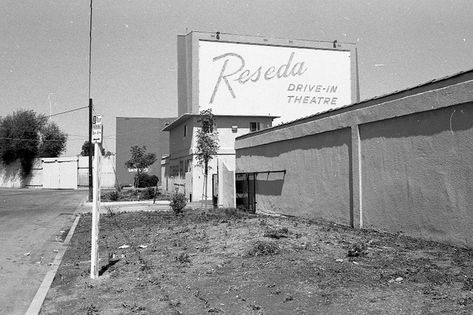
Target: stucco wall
x,y
316,182
183,148
180,145
226,182
404,165
417,174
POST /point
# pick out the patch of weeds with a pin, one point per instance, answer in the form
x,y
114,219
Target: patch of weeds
x,y
154,281
174,303
288,298
134,307
263,248
468,284
220,215
234,213
465,301
110,196
177,243
183,258
277,233
357,249
92,309
255,307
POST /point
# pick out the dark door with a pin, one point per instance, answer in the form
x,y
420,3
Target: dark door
x,y
246,191
252,192
215,190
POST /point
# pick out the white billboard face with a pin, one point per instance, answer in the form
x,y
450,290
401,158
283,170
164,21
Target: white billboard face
x,y
245,79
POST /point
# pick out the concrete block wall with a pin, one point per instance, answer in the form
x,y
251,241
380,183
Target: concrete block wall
x,y
400,163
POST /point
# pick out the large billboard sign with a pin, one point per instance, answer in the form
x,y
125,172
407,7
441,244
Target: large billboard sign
x,y
250,79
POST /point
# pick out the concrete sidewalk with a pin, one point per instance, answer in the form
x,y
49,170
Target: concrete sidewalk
x,y
129,206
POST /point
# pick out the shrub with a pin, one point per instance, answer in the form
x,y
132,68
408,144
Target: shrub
x,y
357,249
148,193
178,202
262,248
276,233
114,195
144,180
110,196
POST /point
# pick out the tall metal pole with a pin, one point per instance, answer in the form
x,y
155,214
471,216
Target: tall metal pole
x,y
90,149
90,105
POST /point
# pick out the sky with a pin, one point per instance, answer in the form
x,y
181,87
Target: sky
x,y
44,49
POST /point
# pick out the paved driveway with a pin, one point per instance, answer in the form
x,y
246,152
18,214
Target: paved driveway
x,y
31,222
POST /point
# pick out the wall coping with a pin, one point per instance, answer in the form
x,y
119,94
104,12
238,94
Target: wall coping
x,y
434,95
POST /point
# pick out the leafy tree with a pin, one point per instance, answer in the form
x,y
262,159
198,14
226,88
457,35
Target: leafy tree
x,y
53,141
207,143
25,135
139,161
85,149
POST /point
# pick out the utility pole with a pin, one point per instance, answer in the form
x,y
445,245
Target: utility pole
x,y
90,149
90,105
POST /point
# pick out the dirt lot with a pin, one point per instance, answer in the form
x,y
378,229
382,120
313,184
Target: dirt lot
x,y
230,262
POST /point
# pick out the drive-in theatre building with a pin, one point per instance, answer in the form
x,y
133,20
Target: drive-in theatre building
x,y
248,82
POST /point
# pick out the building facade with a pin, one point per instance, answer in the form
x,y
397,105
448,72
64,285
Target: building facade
x,y
247,82
180,169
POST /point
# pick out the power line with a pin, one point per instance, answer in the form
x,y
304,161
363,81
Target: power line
x,y
69,111
25,139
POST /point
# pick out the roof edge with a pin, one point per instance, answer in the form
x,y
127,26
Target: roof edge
x,y
462,76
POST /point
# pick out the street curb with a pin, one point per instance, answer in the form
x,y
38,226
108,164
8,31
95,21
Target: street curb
x,y
38,299
130,203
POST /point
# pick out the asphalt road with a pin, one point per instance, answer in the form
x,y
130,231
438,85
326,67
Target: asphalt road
x,y
31,222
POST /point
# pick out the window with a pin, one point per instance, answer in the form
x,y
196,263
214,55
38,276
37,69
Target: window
x,y
185,130
181,169
254,126
188,165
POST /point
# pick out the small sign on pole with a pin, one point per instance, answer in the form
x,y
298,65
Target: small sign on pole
x,y
97,120
97,133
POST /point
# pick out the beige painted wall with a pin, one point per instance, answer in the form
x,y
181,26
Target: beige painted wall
x,y
404,164
417,174
316,183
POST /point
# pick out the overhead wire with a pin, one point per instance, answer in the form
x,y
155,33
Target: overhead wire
x,y
44,140
69,111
